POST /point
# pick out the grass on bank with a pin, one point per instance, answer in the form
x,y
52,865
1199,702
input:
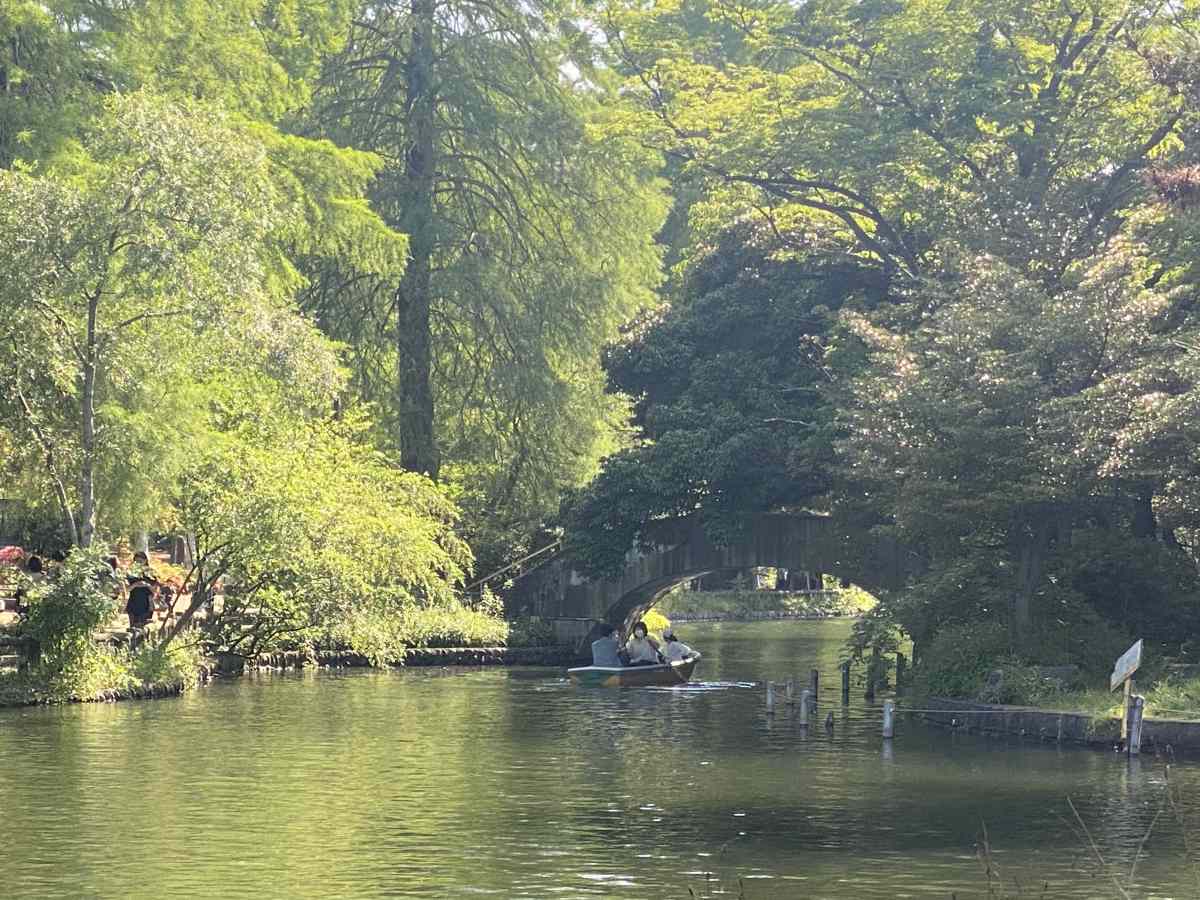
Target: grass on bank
x,y
1169,698
978,663
735,602
101,671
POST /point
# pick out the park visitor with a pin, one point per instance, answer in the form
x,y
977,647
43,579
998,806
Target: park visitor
x,y
605,649
140,606
675,649
642,651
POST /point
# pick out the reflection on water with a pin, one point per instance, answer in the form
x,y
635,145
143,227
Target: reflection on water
x,y
513,784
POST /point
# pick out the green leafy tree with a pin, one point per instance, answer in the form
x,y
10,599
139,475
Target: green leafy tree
x,y
309,534
531,239
111,263
993,440
64,614
885,129
728,383
984,160
137,267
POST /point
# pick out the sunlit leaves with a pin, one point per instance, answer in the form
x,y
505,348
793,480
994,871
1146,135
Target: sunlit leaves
x,y
318,536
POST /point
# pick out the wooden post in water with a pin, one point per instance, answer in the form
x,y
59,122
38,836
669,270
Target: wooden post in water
x,y
790,691
814,685
846,683
805,701
889,718
1137,706
872,673
770,698
1125,709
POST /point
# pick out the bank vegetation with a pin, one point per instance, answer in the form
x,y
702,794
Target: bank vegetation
x,y
359,296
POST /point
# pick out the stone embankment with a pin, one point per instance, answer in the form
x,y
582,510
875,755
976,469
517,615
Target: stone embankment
x,y
33,697
416,657
1158,735
13,650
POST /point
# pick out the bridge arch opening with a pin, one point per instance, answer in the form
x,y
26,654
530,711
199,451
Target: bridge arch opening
x,y
834,597
681,550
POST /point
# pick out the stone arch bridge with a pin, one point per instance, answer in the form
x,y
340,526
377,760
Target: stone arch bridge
x,y
679,550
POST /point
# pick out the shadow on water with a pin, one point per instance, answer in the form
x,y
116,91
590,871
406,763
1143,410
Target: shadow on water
x,y
515,784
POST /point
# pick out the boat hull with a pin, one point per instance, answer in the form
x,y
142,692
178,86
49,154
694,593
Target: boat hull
x,y
664,674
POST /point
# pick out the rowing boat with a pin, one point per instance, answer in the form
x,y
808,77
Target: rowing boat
x,y
666,674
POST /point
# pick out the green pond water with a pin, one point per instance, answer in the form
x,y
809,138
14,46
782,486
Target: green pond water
x,y
513,784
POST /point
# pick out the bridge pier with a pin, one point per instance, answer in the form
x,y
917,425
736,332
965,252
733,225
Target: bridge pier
x,y
575,631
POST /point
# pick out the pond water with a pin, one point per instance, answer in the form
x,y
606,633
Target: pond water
x,y
511,783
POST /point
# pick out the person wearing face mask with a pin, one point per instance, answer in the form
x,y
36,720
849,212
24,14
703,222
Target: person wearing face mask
x,y
642,649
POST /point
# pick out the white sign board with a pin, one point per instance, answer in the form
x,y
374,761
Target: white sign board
x,y
1126,666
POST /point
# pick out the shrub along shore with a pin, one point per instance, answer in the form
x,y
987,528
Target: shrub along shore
x,y
29,688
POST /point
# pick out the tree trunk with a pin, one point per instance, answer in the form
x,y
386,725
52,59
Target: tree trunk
x,y
1033,543
1144,523
87,486
414,390
201,595
60,489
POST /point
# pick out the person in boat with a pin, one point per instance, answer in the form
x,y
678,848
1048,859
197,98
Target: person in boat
x,y
606,648
674,649
641,648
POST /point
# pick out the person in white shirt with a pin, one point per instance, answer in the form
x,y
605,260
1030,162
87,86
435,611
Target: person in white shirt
x,y
675,649
641,649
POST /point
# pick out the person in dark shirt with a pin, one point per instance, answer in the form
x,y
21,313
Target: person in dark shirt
x,y
140,605
605,649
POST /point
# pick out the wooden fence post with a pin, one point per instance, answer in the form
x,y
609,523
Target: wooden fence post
x,y
1137,707
872,673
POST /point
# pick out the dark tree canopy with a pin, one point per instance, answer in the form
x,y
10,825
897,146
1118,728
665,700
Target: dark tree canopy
x,y
729,385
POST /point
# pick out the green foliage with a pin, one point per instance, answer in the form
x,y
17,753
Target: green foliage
x,y
95,670
957,660
728,383
1017,683
120,262
532,230
454,626
918,276
1007,387
63,616
850,602
317,536
1173,698
528,632
178,663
